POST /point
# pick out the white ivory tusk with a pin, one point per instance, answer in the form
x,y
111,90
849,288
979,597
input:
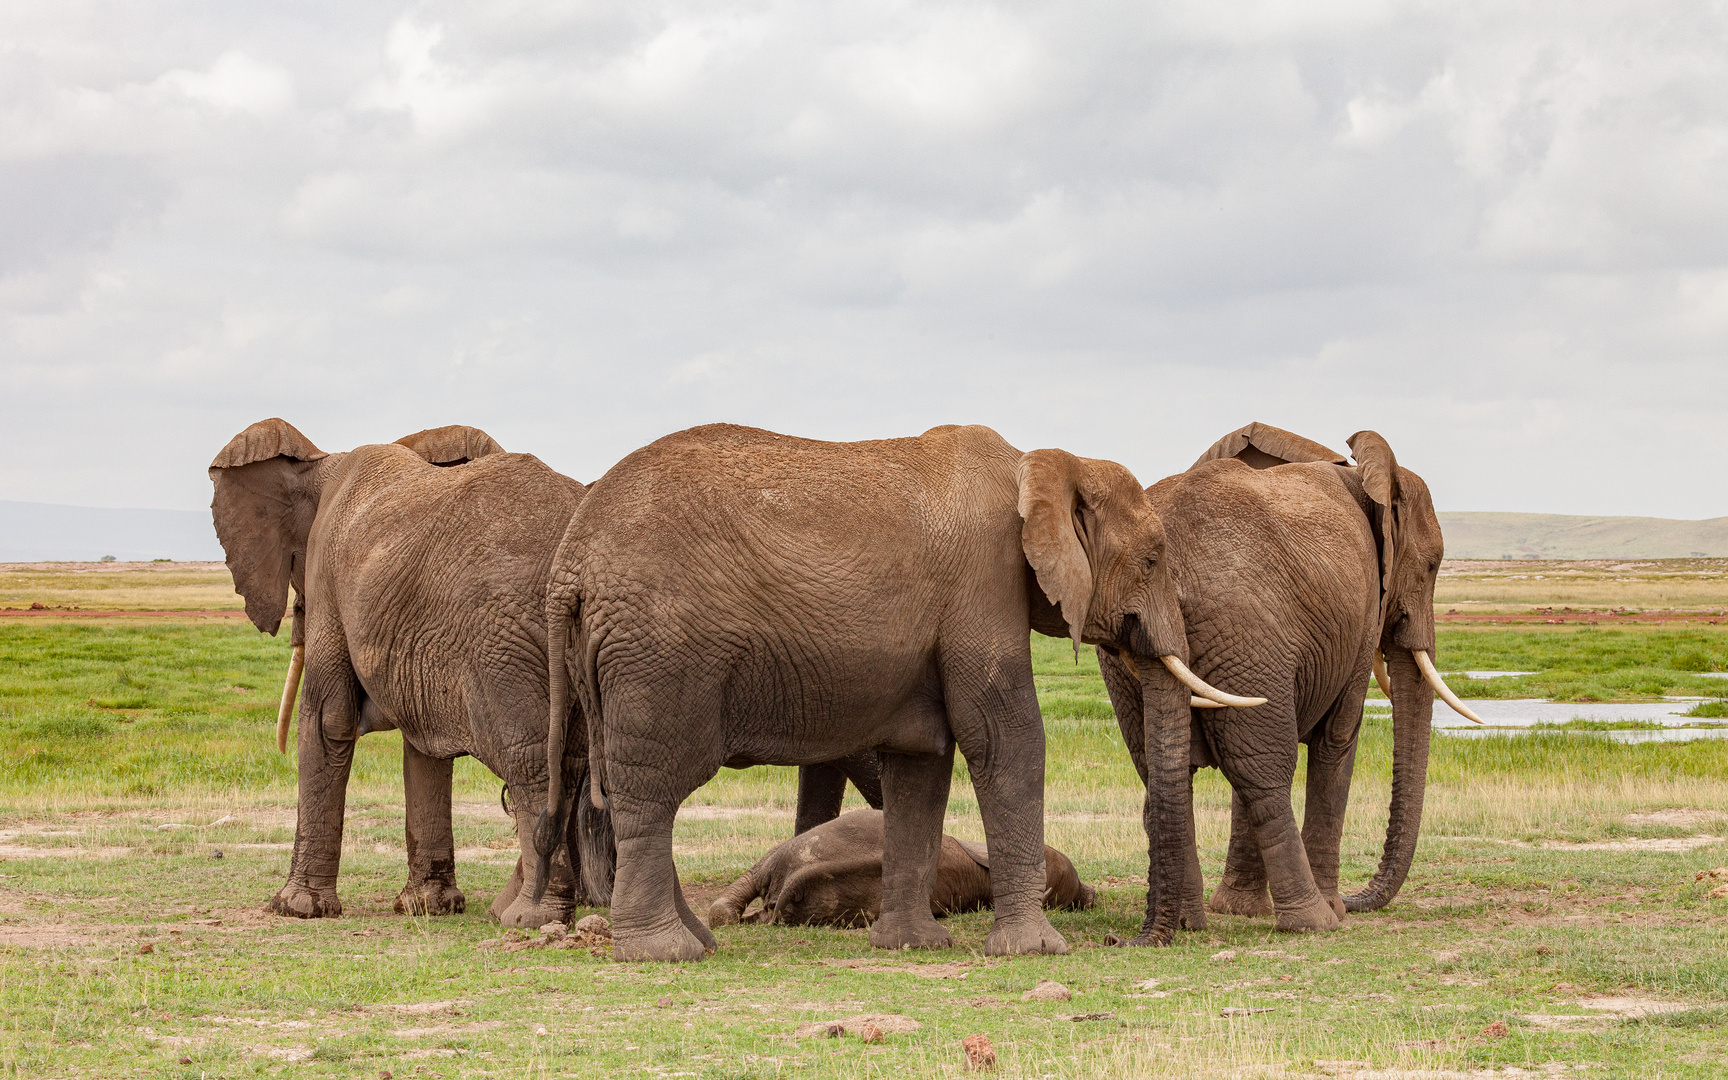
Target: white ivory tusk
x,y
1205,703
290,690
1380,674
1201,689
1440,687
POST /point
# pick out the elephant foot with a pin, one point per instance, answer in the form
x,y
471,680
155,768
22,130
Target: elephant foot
x,y
303,902
1310,917
1229,900
523,913
431,897
696,927
1193,917
1337,903
909,932
723,912
1145,939
672,945
1023,937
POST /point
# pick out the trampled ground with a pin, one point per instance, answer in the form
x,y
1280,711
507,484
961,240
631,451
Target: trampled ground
x,y
1553,923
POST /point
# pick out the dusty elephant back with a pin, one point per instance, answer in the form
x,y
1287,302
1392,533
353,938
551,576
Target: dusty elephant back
x,y
452,560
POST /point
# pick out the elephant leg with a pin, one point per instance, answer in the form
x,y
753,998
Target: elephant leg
x,y
650,920
1242,890
864,769
821,789
1296,902
328,727
431,888
1194,885
507,896
915,798
999,729
1331,760
559,898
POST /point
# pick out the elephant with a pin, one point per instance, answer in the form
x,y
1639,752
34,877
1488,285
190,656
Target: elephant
x,y
419,606
1294,568
731,596
831,875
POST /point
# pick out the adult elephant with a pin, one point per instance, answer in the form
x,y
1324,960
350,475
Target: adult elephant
x,y
1294,568
729,596
419,599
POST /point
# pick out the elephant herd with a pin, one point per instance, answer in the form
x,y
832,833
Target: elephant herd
x,y
727,596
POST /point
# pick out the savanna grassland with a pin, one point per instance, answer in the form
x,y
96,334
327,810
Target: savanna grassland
x,y
1552,922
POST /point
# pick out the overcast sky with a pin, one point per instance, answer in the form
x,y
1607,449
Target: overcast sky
x,y
1496,233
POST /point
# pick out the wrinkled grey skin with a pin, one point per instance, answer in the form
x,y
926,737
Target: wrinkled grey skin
x,y
420,593
822,788
1291,573
831,875
728,596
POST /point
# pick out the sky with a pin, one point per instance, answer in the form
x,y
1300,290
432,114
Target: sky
x,y
1495,233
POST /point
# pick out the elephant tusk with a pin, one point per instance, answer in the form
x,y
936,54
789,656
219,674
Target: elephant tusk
x,y
1440,687
1205,703
1380,674
290,690
1201,689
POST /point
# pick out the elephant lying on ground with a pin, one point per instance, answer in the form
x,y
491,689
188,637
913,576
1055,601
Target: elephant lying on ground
x,y
729,596
832,876
1294,568
419,606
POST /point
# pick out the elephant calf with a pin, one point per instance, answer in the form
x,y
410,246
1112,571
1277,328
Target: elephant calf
x,y
832,876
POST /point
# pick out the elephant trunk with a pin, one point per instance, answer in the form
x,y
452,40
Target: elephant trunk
x,y
1169,790
1412,730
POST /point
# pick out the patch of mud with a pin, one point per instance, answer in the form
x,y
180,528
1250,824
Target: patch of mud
x,y
1630,1007
1678,817
285,1053
473,1028
420,1008
957,969
48,936
887,1023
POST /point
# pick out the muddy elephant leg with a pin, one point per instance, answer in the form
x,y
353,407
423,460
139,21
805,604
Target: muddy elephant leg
x,y
328,728
1242,889
431,888
1001,732
821,790
914,799
1331,760
1296,902
559,898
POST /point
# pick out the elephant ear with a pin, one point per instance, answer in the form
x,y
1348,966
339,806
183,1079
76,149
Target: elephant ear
x,y
1379,471
454,444
263,509
1050,513
1263,446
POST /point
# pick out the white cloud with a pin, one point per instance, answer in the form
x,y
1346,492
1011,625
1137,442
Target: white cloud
x,y
1499,235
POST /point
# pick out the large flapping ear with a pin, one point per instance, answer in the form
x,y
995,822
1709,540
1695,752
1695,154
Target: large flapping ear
x,y
1263,446
1050,502
261,513
454,444
1379,470
264,440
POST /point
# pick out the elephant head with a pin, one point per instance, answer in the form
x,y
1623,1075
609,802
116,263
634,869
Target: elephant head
x,y
269,481
1407,534
1096,547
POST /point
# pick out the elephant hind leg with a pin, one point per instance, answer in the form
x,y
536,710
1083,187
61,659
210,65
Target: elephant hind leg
x,y
1297,905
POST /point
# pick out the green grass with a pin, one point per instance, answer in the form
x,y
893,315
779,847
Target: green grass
x,y
1498,923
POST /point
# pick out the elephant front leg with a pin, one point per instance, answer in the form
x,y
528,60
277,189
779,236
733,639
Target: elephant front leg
x,y
326,753
914,799
1331,760
1242,890
431,888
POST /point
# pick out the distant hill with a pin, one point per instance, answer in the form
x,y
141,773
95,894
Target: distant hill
x,y
1569,536
38,532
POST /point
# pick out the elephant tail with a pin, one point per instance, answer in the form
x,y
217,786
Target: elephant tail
x,y
1412,730
549,830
